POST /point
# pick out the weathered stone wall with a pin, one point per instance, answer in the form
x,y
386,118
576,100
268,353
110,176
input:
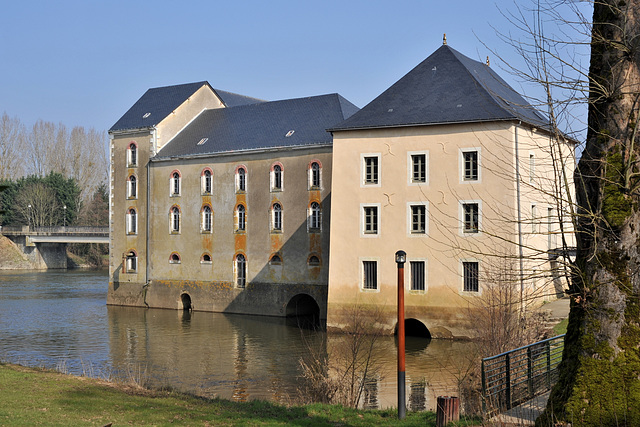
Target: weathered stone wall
x,y
268,299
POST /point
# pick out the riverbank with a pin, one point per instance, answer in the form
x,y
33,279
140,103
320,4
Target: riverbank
x,y
42,397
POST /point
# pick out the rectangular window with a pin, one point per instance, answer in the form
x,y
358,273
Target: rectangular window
x,y
370,274
370,220
534,219
418,219
419,168
470,273
470,165
470,217
371,170
532,167
417,275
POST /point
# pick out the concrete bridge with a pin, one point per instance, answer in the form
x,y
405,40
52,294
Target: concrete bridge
x,y
46,247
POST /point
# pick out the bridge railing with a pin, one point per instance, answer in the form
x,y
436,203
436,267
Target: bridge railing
x,y
516,376
24,229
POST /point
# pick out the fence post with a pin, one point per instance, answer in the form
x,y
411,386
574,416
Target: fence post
x,y
507,367
483,379
529,372
548,348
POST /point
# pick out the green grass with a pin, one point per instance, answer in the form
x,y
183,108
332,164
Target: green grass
x,y
561,328
30,397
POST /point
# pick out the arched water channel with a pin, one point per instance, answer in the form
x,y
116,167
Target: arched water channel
x,y
58,319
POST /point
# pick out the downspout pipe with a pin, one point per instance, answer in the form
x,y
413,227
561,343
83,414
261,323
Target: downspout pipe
x,y
519,207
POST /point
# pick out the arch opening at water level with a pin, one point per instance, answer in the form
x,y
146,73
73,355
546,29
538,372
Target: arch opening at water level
x,y
304,311
185,299
414,328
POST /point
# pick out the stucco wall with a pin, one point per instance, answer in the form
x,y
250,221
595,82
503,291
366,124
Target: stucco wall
x,y
443,307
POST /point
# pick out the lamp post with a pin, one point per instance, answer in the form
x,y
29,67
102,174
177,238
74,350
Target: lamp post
x,y
401,258
29,215
64,218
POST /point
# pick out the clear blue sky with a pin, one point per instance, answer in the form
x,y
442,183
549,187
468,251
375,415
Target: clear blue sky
x,y
85,62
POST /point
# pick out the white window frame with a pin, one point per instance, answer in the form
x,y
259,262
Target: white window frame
x,y
362,274
410,231
172,261
273,178
363,220
132,187
408,279
132,222
534,219
461,214
203,261
175,226
239,217
131,262
532,167
204,180
173,186
130,155
241,182
461,165
410,155
310,177
469,260
310,216
236,271
275,219
206,223
363,170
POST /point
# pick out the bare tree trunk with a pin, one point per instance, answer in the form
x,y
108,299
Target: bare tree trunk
x,y
600,374
11,142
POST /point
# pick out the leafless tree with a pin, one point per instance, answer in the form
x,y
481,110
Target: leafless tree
x,y
36,205
12,135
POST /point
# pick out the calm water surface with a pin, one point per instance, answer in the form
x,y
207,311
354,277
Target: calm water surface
x,y
59,319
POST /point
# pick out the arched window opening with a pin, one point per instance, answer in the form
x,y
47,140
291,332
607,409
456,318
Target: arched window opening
x,y
174,258
315,219
277,217
131,262
241,180
241,218
275,260
314,261
175,184
133,154
276,178
314,176
175,219
133,187
206,258
207,218
132,221
206,181
241,271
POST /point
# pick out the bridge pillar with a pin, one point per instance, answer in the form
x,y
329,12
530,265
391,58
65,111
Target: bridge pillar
x,y
43,255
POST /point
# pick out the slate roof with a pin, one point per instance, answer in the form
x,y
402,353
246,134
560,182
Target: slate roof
x,y
261,126
447,87
159,102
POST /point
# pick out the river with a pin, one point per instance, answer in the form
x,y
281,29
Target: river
x,y
59,319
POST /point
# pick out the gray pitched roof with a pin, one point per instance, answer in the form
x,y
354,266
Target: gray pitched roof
x,y
159,102
447,87
261,126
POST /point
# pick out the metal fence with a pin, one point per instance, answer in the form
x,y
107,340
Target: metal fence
x,y
516,376
23,229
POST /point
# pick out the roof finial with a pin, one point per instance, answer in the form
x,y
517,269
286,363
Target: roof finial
x,y
488,63
444,39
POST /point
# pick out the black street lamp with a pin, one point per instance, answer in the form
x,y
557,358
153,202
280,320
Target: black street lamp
x,y
401,258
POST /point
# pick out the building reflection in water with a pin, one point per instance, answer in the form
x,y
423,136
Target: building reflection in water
x,y
251,357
